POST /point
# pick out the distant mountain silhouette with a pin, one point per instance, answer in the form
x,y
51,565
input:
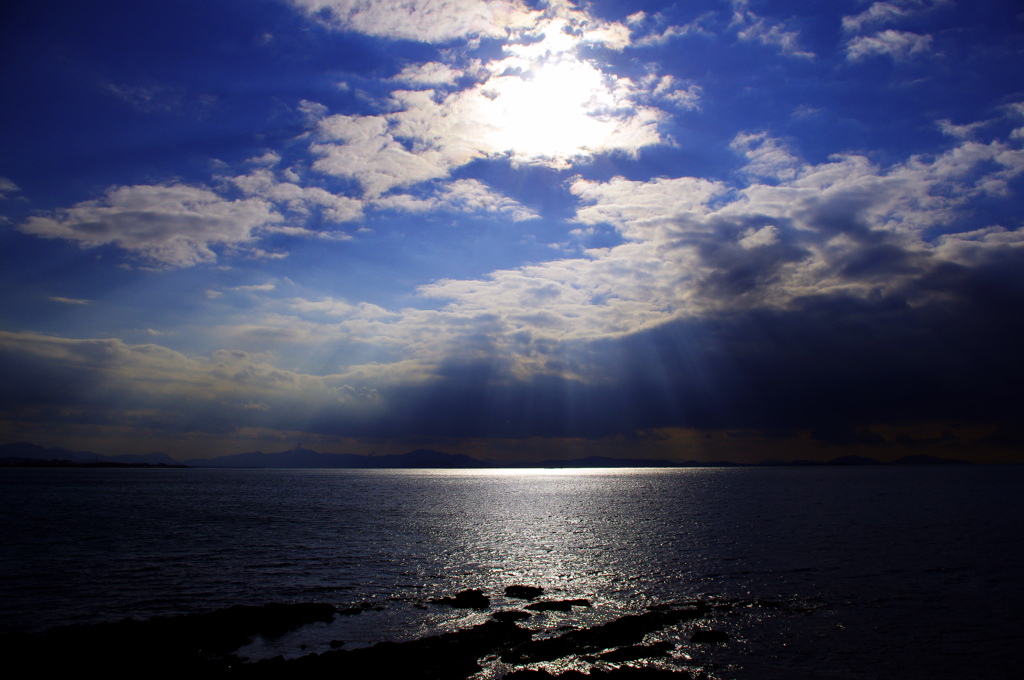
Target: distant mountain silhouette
x,y
36,452
854,460
420,458
921,459
295,458
306,458
155,458
33,455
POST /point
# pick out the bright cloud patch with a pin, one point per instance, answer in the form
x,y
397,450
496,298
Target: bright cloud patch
x,y
890,43
173,224
541,104
421,20
466,195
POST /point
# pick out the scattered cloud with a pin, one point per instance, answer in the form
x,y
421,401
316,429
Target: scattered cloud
x,y
960,131
464,195
714,241
256,288
896,44
751,27
768,157
430,74
162,98
434,21
264,185
175,225
880,13
8,189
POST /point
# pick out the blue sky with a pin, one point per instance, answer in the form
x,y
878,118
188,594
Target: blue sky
x,y
709,229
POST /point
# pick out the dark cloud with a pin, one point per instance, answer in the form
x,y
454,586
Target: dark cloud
x,y
831,363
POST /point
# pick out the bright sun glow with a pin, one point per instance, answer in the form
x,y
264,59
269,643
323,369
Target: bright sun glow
x,y
549,113
555,107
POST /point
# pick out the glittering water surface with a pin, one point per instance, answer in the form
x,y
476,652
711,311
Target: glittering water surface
x,y
908,572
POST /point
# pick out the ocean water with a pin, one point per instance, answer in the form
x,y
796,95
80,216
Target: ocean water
x,y
852,572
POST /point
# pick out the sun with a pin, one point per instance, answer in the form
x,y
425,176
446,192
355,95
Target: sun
x,y
549,105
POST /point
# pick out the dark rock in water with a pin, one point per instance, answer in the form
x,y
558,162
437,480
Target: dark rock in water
x,y
703,636
450,656
467,599
191,643
624,673
625,631
510,615
523,592
558,605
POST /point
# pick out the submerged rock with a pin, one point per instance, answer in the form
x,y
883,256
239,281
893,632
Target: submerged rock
x,y
450,656
176,644
206,644
624,673
622,632
523,592
467,599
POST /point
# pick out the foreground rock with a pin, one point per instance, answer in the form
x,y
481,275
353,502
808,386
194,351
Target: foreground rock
x,y
624,673
524,592
467,599
178,644
557,605
622,632
451,656
207,644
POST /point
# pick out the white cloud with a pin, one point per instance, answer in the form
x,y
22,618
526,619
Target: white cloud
x,y
128,381
264,185
7,188
464,195
364,149
667,89
696,246
629,204
768,156
758,238
548,110
70,301
256,288
174,224
269,158
887,12
429,74
750,26
422,20
896,44
313,111
960,131
329,306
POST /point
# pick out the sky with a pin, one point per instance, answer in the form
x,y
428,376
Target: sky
x,y
707,229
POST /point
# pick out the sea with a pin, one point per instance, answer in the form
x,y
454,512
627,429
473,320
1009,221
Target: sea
x,y
900,572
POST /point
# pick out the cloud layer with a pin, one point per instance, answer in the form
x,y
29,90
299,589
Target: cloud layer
x,y
500,219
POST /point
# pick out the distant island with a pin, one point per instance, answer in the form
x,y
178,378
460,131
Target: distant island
x,y
24,454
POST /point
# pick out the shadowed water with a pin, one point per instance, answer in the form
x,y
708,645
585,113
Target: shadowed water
x,y
858,572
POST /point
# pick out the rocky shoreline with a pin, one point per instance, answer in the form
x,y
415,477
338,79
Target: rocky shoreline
x,y
498,648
